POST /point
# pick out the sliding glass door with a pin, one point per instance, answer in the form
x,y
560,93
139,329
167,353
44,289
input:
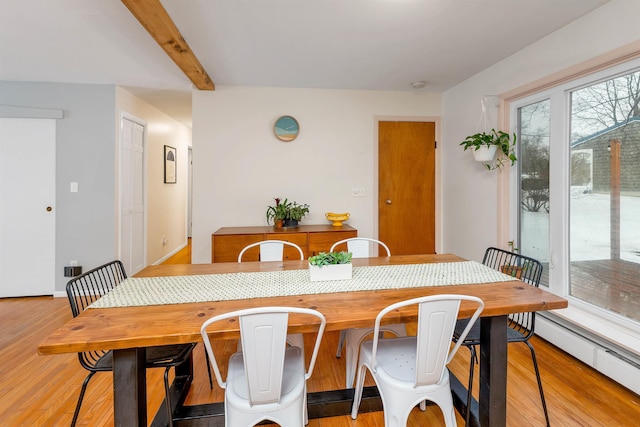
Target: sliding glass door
x,y
576,196
605,194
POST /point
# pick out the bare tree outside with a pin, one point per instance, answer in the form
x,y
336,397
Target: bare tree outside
x,y
580,168
534,157
604,105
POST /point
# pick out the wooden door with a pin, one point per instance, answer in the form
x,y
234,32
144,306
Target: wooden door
x,y
406,187
27,202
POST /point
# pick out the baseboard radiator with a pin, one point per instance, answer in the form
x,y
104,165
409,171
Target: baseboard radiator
x,y
605,357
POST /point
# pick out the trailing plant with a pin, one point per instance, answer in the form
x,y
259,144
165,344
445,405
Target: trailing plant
x,y
500,139
296,211
329,258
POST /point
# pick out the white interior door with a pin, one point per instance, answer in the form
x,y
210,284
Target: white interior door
x,y
132,229
27,202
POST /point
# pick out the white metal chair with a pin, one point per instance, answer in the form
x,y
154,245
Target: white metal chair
x,y
410,370
271,250
267,379
360,247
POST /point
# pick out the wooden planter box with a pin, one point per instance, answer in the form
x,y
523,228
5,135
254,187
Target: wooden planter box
x,y
512,270
330,272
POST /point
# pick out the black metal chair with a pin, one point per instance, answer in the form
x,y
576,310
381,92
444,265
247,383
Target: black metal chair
x,y
82,291
521,326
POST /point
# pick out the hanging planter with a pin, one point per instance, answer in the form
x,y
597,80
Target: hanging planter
x,y
490,142
484,153
485,144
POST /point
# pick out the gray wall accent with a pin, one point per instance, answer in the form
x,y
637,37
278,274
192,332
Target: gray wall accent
x,y
85,153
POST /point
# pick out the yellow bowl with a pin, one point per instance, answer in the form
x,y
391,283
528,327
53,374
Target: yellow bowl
x,y
337,218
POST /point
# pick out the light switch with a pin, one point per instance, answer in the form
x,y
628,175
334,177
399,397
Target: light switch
x,y
74,187
357,191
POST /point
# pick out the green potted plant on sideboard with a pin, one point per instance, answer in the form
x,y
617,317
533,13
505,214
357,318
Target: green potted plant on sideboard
x,y
295,213
286,213
278,212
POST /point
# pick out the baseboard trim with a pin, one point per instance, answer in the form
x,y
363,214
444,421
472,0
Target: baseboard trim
x,y
612,361
170,254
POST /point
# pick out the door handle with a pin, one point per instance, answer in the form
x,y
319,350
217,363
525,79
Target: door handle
x,y
388,201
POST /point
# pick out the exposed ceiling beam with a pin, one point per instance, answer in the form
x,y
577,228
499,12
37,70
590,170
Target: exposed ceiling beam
x,y
155,19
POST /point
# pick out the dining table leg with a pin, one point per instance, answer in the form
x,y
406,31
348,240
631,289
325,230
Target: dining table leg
x,y
129,387
493,371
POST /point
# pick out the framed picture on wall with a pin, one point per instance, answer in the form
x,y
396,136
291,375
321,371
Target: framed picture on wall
x,y
169,165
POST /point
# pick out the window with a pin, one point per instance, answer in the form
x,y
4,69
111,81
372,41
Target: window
x,y
576,198
533,168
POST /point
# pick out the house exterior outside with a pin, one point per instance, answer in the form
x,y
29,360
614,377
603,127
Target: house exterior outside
x,y
591,159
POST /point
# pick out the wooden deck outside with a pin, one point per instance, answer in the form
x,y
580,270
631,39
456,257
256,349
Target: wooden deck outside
x,y
610,284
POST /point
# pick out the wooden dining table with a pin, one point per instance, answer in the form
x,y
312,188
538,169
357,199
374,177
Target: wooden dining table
x,y
128,331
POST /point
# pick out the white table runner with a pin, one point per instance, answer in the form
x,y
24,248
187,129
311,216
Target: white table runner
x,y
233,286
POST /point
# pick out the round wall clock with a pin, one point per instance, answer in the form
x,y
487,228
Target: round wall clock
x,y
286,128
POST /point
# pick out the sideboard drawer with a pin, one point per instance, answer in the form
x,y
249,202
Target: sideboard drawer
x,y
322,242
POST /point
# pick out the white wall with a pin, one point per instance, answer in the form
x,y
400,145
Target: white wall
x,y
239,165
470,194
166,203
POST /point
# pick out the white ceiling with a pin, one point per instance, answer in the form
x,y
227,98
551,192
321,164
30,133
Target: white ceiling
x,y
339,44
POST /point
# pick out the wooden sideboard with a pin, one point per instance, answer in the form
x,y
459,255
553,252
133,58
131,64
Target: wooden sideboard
x,y
227,242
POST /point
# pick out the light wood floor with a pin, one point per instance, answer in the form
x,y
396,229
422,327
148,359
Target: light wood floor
x,y
181,257
42,390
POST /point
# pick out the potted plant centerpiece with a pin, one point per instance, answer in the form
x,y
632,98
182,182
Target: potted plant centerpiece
x,y
485,145
330,266
517,270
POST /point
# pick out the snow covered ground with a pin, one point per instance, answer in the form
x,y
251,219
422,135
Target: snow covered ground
x,y
590,229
